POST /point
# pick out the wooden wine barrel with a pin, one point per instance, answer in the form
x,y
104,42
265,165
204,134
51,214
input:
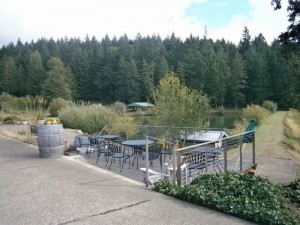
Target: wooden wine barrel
x,y
51,140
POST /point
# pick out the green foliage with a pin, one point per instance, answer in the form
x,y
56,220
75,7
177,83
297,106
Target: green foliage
x,y
246,196
118,107
177,105
11,119
292,191
255,111
270,105
59,81
36,74
126,70
56,105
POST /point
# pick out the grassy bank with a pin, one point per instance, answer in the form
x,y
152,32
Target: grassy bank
x,y
292,134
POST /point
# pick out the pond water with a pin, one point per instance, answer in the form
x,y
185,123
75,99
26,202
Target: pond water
x,y
224,120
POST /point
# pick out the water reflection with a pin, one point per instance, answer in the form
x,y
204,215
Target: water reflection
x,y
224,120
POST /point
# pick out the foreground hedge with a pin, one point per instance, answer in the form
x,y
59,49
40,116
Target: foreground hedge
x,y
246,196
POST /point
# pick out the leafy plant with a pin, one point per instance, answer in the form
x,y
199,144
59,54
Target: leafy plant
x,y
246,196
292,191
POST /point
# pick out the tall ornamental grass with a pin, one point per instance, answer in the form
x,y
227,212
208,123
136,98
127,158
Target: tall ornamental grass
x,y
292,129
88,118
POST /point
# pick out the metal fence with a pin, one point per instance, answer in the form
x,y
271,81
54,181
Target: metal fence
x,y
232,153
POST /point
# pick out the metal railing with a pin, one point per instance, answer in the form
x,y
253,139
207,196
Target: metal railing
x,y
233,153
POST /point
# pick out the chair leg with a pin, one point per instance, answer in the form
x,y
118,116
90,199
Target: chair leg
x,y
110,162
98,156
160,160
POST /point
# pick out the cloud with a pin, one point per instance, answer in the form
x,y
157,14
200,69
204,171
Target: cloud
x,y
263,19
33,19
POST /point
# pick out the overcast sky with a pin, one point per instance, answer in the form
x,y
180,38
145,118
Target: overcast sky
x,y
33,19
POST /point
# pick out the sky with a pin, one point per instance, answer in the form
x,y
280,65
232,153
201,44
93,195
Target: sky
x,y
33,19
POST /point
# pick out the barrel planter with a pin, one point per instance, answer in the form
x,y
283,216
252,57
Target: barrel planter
x,y
51,140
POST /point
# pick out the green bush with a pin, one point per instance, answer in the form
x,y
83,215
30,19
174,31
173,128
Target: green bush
x,y
270,105
292,191
255,111
246,196
56,105
11,119
118,107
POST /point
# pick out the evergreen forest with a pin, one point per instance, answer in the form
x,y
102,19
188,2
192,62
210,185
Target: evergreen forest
x,y
128,70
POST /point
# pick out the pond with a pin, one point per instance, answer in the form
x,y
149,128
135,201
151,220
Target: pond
x,y
225,119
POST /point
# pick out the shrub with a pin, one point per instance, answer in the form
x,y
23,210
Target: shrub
x,y
246,196
118,107
255,111
11,119
292,191
270,105
56,105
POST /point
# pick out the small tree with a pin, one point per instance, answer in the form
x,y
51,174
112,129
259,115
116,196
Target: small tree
x,y
177,105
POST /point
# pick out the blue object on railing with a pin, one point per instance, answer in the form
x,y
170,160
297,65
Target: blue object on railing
x,y
247,138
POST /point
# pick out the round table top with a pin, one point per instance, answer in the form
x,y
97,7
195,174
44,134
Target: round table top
x,y
109,136
137,143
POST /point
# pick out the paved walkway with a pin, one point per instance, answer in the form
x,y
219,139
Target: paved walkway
x,y
60,191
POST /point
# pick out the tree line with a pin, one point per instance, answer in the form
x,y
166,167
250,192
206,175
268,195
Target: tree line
x,y
128,70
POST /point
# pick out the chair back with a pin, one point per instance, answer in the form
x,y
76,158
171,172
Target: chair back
x,y
97,142
155,150
84,141
114,148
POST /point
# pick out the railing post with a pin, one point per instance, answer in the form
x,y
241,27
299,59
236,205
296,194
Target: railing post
x,y
241,154
147,162
253,148
206,169
177,171
225,155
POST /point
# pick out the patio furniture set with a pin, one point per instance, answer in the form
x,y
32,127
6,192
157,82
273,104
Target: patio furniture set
x,y
112,149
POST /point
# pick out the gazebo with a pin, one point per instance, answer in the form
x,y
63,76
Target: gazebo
x,y
138,105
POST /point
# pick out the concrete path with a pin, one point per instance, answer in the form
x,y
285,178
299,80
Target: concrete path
x,y
60,191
